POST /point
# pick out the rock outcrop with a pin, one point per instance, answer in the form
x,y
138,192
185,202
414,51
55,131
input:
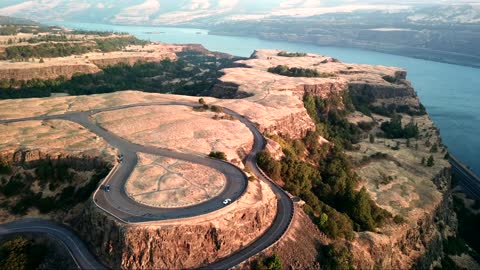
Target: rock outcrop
x,y
29,159
46,72
410,245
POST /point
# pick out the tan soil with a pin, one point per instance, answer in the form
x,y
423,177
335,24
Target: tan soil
x,y
52,136
179,128
163,182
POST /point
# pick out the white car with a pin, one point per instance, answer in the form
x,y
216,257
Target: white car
x,y
227,201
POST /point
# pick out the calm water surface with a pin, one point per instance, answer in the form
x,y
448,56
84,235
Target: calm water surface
x,y
450,93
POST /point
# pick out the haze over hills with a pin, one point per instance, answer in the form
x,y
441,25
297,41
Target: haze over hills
x,y
204,12
446,31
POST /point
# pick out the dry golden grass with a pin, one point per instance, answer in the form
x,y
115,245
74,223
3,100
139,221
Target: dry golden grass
x,y
53,136
399,183
179,128
163,182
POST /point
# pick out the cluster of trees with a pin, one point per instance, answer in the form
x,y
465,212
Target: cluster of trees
x,y
336,256
364,103
118,43
192,74
394,129
329,116
19,185
295,54
268,263
48,38
322,174
299,72
22,254
47,50
63,49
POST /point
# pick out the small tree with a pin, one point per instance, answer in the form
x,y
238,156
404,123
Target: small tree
x,y
42,61
434,148
423,160
447,156
372,138
428,143
408,143
323,219
202,101
216,109
430,161
218,155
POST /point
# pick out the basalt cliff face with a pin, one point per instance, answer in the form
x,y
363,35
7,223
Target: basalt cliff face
x,y
29,159
179,244
417,244
46,72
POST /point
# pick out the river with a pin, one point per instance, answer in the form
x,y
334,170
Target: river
x,y
451,93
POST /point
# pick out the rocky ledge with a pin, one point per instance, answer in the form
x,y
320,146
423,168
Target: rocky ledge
x,y
179,244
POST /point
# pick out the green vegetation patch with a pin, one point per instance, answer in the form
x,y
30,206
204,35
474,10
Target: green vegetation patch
x,y
61,48
322,174
193,74
299,72
50,176
393,129
218,155
294,54
20,253
267,263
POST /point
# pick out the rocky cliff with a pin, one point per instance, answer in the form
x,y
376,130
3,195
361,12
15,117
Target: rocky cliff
x,y
417,195
52,68
282,97
46,72
29,159
179,244
413,244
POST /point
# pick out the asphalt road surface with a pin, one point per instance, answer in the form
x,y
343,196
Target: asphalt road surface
x,y
117,203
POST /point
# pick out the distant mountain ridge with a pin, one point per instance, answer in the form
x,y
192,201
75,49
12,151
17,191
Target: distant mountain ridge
x,y
6,20
209,12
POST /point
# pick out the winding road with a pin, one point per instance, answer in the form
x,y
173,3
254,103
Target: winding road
x,y
118,204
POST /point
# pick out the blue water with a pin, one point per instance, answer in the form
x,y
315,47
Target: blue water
x,y
451,93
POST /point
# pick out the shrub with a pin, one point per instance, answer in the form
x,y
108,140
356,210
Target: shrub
x,y
337,257
269,263
216,109
287,54
299,72
5,168
366,126
218,155
13,187
430,161
398,219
